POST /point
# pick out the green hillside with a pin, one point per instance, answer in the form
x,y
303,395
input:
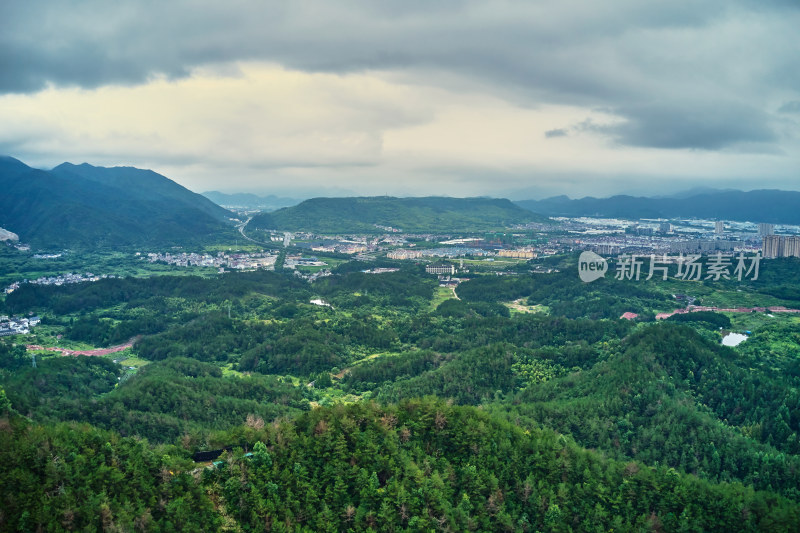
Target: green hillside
x,y
365,214
86,206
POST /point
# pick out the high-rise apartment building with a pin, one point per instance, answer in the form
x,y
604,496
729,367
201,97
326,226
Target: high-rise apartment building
x,y
773,246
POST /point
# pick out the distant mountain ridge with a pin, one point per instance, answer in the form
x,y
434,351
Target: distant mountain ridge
x,y
426,214
764,205
250,201
87,206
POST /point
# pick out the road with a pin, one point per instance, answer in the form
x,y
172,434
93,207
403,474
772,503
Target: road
x,y
241,230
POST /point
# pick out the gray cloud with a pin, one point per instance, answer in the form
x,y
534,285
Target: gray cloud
x,y
790,107
680,74
558,132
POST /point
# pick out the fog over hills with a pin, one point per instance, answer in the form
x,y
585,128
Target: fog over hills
x,y
245,200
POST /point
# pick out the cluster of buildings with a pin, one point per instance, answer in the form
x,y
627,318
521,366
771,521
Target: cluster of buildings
x,y
388,228
380,270
349,245
518,253
287,237
766,229
343,247
450,252
63,279
615,246
616,236
404,254
238,261
16,325
441,269
781,246
294,261
740,237
462,251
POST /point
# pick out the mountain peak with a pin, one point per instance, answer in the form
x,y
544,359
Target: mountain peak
x,y
93,206
69,166
8,161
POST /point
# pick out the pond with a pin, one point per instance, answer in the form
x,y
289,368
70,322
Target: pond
x,y
733,339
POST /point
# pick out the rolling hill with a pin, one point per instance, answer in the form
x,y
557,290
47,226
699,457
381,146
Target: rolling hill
x,y
87,206
366,214
766,205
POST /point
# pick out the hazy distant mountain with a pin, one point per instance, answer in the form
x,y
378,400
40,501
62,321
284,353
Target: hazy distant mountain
x,y
250,201
429,214
82,205
694,191
767,205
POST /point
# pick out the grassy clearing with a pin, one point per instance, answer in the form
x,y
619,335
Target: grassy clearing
x,y
47,336
331,396
518,306
312,269
741,299
228,370
440,294
332,262
756,321
129,360
494,264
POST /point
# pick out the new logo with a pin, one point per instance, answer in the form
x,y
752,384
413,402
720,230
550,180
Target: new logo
x,y
591,266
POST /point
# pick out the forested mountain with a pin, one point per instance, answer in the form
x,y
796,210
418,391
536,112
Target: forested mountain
x,y
765,205
365,214
83,205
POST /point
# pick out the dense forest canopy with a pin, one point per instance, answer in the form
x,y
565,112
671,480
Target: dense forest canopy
x,y
402,405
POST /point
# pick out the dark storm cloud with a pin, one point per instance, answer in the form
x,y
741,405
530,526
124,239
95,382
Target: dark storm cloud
x,y
625,56
702,125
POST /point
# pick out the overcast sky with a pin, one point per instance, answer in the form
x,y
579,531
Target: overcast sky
x,y
522,99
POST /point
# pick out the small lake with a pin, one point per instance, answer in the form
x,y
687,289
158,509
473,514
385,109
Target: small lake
x,y
733,339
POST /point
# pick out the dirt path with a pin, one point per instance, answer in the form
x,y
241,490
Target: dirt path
x,y
95,352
